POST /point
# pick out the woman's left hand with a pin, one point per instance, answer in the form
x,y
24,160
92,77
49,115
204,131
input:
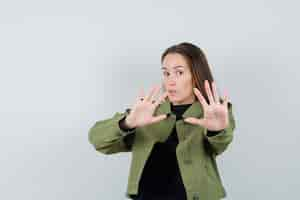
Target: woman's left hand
x,y
215,116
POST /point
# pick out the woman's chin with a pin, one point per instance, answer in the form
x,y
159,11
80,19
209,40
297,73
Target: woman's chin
x,y
171,97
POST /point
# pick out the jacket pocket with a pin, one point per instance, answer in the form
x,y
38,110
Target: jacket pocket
x,y
213,179
210,173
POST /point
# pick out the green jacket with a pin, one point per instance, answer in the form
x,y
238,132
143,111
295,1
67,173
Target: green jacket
x,y
196,151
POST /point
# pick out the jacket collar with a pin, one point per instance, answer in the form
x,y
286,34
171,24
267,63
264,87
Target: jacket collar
x,y
195,110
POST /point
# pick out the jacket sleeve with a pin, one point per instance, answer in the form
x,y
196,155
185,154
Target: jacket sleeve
x,y
108,137
219,141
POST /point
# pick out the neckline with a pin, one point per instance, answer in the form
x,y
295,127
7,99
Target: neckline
x,y
183,105
194,110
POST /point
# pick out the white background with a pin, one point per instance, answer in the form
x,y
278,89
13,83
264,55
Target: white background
x,y
66,64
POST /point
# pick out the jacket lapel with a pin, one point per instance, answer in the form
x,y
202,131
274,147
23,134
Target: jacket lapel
x,y
161,130
195,110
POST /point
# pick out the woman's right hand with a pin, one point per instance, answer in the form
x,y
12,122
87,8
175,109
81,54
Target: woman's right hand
x,y
141,113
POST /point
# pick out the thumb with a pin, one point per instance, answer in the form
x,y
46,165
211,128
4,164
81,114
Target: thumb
x,y
158,118
193,120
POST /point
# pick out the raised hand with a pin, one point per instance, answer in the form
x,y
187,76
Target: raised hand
x,y
215,117
141,113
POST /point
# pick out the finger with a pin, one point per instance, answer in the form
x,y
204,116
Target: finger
x,y
225,102
158,118
200,97
215,93
141,94
156,92
195,121
208,92
152,90
161,99
164,97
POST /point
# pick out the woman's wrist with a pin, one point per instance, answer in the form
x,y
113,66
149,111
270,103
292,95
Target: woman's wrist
x,y
128,124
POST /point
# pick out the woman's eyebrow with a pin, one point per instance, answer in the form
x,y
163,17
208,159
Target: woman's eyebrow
x,y
178,66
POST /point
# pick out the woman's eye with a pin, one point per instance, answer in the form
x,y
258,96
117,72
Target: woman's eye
x,y
165,73
168,74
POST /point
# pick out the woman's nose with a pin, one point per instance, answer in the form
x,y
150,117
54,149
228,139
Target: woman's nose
x,y
172,78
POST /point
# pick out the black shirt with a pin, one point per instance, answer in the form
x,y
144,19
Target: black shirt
x,y
161,178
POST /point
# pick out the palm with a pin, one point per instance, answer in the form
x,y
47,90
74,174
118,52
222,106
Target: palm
x,y
142,111
215,114
215,117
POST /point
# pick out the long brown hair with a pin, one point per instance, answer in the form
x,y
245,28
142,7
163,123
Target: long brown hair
x,y
197,61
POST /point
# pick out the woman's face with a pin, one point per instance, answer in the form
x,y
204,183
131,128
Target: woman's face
x,y
177,79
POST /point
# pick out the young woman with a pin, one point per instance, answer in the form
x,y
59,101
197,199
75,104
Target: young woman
x,y
174,137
